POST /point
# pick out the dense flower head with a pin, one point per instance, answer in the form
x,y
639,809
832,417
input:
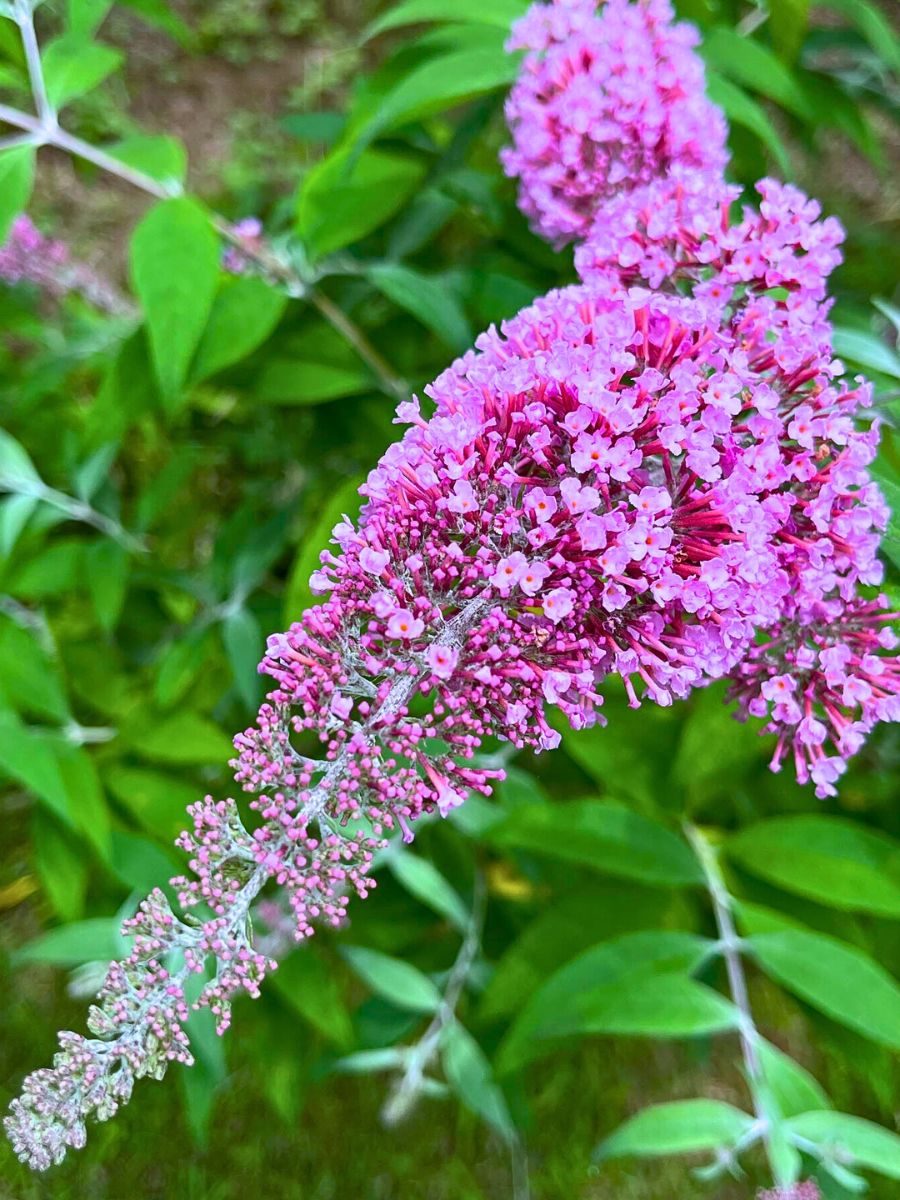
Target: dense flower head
x,y
606,101
28,255
769,269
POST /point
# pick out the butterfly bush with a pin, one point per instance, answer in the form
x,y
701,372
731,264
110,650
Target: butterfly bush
x,y
606,100
654,475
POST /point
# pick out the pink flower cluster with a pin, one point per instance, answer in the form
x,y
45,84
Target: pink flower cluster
x,y
606,101
28,255
655,475
821,675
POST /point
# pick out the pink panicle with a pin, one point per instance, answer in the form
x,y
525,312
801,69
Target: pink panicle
x,y
28,255
606,101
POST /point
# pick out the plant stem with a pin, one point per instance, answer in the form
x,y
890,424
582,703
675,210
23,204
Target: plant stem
x,y
24,17
339,320
406,1090
730,946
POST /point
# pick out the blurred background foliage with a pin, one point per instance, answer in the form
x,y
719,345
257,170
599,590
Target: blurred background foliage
x,y
155,527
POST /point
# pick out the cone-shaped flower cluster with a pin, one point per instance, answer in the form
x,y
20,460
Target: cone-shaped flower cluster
x,y
607,100
655,474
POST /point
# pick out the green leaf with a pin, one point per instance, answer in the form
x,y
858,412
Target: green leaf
x,y
867,351
400,982
439,83
793,1088
30,680
15,513
832,860
740,109
179,665
656,1006
159,14
201,1081
73,66
325,127
86,16
52,571
873,26
175,267
681,1127
366,1061
839,980
306,984
603,835
60,864
16,182
293,381
469,1074
72,945
788,20
714,749
581,997
86,799
107,576
601,910
427,884
297,595
427,299
633,763
752,64
29,758
863,1142
139,863
245,312
243,641
342,198
499,13
156,800
15,465
183,738
160,156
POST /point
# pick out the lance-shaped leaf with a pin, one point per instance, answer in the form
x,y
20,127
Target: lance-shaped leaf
x,y
603,835
681,1127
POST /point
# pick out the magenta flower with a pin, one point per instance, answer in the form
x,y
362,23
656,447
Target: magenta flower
x,y
237,259
606,101
28,255
807,1190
